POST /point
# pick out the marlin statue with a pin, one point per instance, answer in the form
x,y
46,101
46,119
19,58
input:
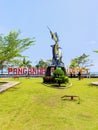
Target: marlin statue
x,y
55,48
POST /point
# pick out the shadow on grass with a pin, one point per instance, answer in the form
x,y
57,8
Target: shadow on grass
x,y
69,100
1,83
93,85
55,86
63,86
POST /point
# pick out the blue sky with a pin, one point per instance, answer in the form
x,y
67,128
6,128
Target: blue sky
x,y
75,21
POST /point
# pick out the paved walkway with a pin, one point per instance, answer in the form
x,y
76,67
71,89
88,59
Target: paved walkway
x,y
8,85
94,83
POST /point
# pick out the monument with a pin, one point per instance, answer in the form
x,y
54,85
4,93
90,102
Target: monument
x,y
56,55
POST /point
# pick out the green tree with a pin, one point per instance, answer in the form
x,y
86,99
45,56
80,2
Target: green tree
x,y
95,51
11,47
26,63
80,62
49,61
15,62
41,64
59,76
73,64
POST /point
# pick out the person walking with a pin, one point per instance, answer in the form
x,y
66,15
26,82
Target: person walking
x,y
79,75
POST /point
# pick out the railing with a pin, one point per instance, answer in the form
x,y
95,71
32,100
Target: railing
x,y
20,75
84,75
41,75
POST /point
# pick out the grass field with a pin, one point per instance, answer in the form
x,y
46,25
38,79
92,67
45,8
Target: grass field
x,y
34,106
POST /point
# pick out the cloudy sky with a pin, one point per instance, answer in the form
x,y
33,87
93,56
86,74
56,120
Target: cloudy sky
x,y
75,21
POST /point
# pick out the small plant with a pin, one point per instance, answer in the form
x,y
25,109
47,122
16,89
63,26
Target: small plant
x,y
48,79
60,77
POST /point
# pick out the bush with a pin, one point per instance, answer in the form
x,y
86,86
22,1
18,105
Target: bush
x,y
48,79
58,72
60,77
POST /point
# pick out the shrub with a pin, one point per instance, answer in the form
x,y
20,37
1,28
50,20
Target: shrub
x,y
48,79
60,77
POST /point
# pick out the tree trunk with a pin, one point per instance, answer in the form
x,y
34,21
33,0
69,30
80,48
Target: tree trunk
x,y
59,83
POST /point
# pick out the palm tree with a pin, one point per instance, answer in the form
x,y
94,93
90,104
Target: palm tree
x,y
26,63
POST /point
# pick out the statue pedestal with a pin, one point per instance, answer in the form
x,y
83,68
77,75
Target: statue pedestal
x,y
51,68
48,78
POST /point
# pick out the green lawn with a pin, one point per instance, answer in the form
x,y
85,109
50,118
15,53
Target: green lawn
x,y
34,106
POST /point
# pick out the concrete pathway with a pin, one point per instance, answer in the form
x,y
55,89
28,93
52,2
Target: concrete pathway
x,y
7,85
94,83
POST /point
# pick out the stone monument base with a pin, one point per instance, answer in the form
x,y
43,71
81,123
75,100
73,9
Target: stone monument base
x,y
48,78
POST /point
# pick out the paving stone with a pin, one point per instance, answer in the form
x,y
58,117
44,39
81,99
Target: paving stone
x,y
8,85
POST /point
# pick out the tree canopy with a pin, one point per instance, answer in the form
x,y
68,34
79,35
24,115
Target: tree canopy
x,y
25,63
80,62
95,51
11,46
41,64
